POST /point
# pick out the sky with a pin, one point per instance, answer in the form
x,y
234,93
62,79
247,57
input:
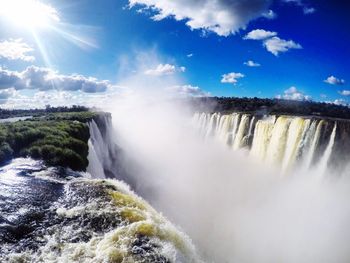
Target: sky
x,y
63,52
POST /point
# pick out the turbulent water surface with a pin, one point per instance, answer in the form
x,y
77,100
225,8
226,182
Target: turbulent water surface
x,y
234,211
53,215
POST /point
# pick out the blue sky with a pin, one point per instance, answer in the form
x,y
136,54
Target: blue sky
x,y
79,51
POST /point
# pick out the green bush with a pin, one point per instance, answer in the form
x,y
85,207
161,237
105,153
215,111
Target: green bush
x,y
60,139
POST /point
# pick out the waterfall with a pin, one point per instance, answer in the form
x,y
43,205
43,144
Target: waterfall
x,y
212,125
297,130
322,165
235,120
95,167
242,129
283,141
97,154
276,147
261,138
251,126
102,149
223,131
310,152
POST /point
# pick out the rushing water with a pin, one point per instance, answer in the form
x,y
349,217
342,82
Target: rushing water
x,y
55,215
280,141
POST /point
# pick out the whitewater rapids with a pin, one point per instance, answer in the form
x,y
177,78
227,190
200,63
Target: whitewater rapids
x,y
55,215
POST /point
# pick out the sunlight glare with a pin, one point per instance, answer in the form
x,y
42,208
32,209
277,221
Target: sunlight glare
x,y
30,14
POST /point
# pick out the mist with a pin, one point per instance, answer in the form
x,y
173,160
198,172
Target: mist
x,y
234,208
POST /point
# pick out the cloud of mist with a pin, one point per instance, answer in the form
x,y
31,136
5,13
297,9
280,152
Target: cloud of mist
x,y
234,209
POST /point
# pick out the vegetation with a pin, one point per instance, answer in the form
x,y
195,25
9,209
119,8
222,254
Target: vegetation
x,y
7,113
84,116
60,139
271,106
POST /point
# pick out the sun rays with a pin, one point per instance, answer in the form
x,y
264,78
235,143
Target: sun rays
x,y
30,14
43,22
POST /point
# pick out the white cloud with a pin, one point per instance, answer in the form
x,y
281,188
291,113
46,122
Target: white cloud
x,y
306,9
55,98
272,42
309,10
224,17
251,63
340,102
260,34
190,55
64,97
16,49
277,45
189,91
293,94
269,14
345,92
164,69
231,77
47,79
334,81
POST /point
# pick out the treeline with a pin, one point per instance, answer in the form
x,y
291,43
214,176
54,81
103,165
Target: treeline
x,y
9,113
271,106
60,139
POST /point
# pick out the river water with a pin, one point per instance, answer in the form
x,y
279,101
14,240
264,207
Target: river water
x,y
56,215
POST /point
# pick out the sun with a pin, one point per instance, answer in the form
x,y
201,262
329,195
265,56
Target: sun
x,y
30,14
39,20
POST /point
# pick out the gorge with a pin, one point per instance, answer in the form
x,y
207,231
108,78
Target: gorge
x,y
241,197
244,187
